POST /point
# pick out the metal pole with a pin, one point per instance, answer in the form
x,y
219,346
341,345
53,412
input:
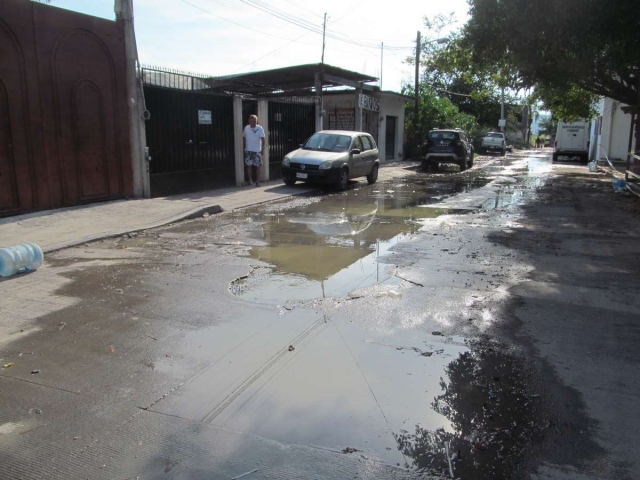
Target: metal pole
x,y
416,111
135,101
502,110
381,62
324,32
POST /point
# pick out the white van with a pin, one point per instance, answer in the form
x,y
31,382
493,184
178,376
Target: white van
x,y
572,140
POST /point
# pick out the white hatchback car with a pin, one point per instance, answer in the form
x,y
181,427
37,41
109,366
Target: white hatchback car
x,y
333,157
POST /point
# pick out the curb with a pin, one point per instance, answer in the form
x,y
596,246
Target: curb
x,y
188,215
194,213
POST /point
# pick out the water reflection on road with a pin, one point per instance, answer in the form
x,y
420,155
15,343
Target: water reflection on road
x,y
333,247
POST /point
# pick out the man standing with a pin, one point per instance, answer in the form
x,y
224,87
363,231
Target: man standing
x,y
253,137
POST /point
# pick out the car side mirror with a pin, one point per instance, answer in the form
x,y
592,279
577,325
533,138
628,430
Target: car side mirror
x,y
355,151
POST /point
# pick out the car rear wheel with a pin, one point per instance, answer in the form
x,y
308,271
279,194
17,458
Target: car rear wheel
x,y
503,152
373,176
555,157
342,180
463,164
290,182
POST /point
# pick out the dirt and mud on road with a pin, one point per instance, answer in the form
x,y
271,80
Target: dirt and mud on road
x,y
444,325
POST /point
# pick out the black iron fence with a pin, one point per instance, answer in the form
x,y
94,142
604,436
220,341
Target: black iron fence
x,y
290,124
189,133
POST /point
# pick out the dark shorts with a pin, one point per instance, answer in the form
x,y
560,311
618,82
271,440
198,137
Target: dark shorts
x,y
253,158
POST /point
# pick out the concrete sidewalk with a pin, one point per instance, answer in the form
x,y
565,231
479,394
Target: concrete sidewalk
x,y
57,229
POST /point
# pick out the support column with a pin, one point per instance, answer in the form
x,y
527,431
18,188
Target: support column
x,y
263,120
358,111
135,101
238,126
319,103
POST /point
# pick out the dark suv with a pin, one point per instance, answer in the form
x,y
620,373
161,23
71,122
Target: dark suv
x,y
447,146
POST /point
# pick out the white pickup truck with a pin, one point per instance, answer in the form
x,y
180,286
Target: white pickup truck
x,y
494,142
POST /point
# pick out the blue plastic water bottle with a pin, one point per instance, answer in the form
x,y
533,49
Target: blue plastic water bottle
x,y
619,185
21,258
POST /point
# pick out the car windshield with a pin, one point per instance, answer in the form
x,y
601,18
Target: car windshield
x,y
495,135
442,136
327,142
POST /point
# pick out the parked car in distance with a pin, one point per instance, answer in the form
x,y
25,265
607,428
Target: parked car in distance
x,y
494,142
446,146
572,140
333,157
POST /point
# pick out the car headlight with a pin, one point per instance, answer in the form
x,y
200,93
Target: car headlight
x,y
286,161
325,165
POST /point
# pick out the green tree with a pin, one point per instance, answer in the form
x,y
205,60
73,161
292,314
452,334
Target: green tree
x,y
435,111
566,46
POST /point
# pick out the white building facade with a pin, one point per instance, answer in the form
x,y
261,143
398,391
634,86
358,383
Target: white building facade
x,y
610,132
382,116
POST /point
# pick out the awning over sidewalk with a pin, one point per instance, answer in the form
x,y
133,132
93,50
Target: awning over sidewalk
x,y
298,78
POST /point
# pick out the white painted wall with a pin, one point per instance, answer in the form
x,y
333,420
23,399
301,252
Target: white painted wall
x,y
390,105
613,138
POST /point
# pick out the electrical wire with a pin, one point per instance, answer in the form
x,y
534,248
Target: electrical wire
x,y
271,52
231,21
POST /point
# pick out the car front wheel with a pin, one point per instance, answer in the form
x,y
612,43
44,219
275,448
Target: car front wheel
x,y
342,180
373,176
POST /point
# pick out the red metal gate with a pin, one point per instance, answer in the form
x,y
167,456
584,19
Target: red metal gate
x,y
64,136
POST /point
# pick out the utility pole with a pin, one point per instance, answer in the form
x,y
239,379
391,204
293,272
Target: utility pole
x,y
318,82
502,111
324,32
381,62
135,101
416,111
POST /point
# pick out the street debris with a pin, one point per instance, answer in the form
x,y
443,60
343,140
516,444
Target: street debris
x,y
33,372
408,281
245,474
8,365
350,450
61,325
205,215
291,348
112,348
388,293
150,336
436,333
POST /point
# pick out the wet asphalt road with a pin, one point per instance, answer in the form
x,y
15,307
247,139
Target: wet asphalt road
x,y
362,334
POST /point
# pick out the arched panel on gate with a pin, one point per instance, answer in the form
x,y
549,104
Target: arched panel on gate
x,y
8,182
17,173
89,139
80,87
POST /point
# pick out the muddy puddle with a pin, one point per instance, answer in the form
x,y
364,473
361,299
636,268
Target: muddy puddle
x,y
333,247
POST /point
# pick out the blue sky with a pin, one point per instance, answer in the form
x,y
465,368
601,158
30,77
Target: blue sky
x,y
235,37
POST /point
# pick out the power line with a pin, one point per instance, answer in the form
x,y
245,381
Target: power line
x,y
284,16
271,52
231,21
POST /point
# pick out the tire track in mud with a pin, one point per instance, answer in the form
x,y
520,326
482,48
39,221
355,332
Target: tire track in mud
x,y
256,375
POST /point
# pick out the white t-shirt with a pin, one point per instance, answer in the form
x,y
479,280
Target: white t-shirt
x,y
253,136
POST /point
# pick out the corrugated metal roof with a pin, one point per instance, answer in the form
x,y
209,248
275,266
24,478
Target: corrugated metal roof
x,y
297,78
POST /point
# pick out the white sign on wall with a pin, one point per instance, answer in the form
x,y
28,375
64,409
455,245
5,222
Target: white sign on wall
x,y
204,117
502,123
368,103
